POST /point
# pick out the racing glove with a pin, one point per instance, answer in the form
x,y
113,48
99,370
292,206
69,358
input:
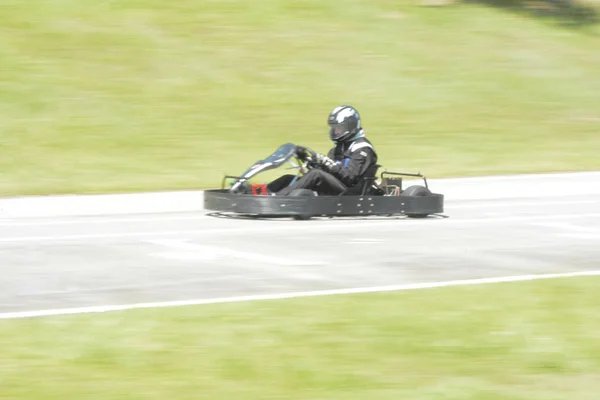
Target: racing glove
x,y
325,162
302,153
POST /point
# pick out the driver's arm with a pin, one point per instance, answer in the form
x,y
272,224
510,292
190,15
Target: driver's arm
x,y
351,169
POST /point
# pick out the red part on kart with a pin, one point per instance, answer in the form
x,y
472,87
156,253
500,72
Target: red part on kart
x,y
259,189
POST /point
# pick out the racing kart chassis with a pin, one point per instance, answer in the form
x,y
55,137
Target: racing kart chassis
x,y
384,198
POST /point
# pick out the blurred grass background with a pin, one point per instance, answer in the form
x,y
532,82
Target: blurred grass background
x,y
131,95
518,341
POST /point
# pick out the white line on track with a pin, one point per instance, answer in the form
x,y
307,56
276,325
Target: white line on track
x,y
573,231
522,177
566,227
87,220
586,236
275,227
512,204
194,216
365,241
279,296
210,252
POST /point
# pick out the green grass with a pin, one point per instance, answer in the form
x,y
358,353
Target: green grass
x,y
529,341
107,96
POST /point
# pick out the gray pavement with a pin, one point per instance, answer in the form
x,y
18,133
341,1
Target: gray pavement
x,y
61,262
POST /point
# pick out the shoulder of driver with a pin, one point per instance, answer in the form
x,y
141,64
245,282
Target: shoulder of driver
x,y
361,149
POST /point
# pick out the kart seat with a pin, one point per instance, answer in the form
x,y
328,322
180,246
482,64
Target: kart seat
x,y
364,184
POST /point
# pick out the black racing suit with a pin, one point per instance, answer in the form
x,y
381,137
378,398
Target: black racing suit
x,y
352,159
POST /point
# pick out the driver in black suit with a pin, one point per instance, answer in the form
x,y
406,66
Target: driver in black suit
x,y
345,164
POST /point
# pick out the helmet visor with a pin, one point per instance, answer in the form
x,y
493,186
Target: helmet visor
x,y
338,131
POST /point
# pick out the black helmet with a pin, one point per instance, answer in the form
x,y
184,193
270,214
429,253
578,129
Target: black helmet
x,y
344,122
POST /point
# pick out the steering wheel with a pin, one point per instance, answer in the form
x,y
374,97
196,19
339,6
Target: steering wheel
x,y
307,156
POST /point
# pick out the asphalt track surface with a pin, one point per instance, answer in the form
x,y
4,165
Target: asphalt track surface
x,y
85,261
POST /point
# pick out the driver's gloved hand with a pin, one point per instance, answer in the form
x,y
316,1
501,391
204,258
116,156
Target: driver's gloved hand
x,y
325,162
301,152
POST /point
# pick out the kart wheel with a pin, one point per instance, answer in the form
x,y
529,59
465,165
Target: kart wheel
x,y
302,193
301,217
416,190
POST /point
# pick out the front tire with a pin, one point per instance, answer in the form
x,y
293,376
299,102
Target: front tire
x,y
302,193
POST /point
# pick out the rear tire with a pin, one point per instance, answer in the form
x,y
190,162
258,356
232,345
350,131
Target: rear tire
x,y
416,190
417,215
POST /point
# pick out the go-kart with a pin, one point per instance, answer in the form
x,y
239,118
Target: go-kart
x,y
370,196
